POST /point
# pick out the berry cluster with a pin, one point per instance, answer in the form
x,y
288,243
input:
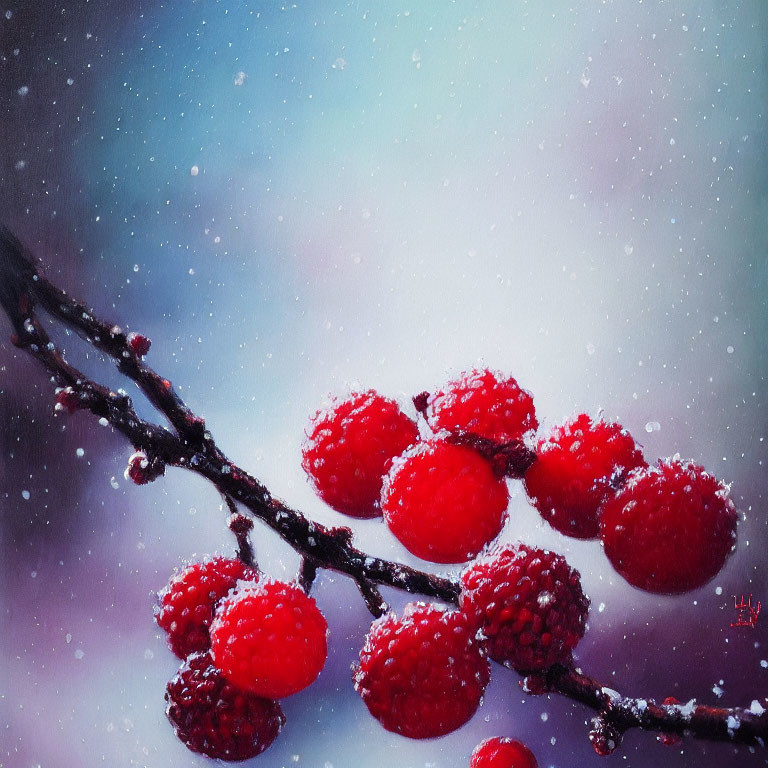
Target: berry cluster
x,y
441,489
247,641
443,494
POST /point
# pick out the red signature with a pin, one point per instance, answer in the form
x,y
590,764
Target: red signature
x,y
746,614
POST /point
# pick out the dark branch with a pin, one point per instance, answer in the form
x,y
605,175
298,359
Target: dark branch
x,y
187,444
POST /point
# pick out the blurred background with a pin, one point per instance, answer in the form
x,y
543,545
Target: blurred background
x,y
293,200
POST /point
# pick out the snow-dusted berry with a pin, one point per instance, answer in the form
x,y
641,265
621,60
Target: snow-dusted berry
x,y
422,675
141,470
670,528
349,449
444,502
67,400
269,638
502,753
185,607
214,718
484,403
139,344
529,603
576,469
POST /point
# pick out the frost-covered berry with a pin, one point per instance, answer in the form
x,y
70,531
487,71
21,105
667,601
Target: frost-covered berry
x,y
141,470
529,603
185,607
214,718
269,638
502,753
422,675
349,448
670,528
67,400
576,469
139,344
484,403
444,502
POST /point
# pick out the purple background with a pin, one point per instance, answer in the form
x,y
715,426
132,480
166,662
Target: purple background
x,y
574,195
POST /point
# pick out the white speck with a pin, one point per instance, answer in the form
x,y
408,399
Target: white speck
x,y
8,14
601,607
33,575
590,349
103,422
80,453
584,79
764,664
149,655
240,78
217,239
628,249
671,142
729,349
20,165
545,599
718,590
70,81
339,64
416,58
23,91
686,710
544,717
553,741
717,690
79,653
732,723
135,267
68,638
756,708
194,170
113,482
653,426
25,495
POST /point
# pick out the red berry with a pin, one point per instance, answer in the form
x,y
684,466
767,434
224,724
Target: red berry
x,y
502,753
422,675
529,603
186,605
350,447
670,528
443,502
577,468
269,638
67,400
141,470
486,404
213,717
139,344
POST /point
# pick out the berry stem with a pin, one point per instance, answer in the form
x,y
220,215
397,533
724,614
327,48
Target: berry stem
x,y
307,573
241,526
189,445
